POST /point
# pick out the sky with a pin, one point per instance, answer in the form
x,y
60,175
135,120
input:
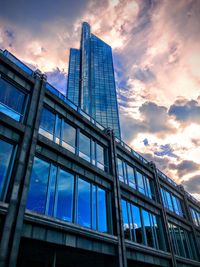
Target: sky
x,y
156,53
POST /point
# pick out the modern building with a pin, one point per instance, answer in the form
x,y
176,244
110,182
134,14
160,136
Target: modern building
x,y
72,194
91,81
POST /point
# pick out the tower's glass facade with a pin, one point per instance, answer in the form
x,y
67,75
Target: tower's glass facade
x,y
91,83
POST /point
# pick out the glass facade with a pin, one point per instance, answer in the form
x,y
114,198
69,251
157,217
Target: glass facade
x,y
6,159
182,241
58,193
91,68
171,202
195,216
73,82
142,226
8,92
135,179
58,130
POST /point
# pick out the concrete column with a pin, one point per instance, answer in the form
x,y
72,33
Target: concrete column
x,y
12,228
122,260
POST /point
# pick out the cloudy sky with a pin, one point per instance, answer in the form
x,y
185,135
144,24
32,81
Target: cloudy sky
x,y
156,52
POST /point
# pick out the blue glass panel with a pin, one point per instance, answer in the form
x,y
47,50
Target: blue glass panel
x,y
6,150
69,137
102,210
100,156
140,182
125,216
131,176
169,201
84,203
65,188
120,169
11,100
84,147
38,186
94,207
51,190
147,226
137,224
47,123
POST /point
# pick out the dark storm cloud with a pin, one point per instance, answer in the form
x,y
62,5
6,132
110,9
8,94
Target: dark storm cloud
x,y
193,184
185,111
154,120
185,167
32,14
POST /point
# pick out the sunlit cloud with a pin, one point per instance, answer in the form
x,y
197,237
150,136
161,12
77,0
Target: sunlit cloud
x,y
156,52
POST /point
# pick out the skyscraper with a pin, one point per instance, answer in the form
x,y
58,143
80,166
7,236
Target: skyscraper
x,y
91,82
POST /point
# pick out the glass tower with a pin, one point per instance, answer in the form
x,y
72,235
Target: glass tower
x,y
91,82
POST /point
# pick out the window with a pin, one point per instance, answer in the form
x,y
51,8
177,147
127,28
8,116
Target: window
x,y
84,203
195,216
69,137
6,159
58,193
135,179
171,202
65,189
84,147
12,100
182,242
58,130
142,226
38,186
47,124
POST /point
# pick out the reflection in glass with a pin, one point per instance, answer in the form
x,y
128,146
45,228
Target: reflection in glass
x,y
69,137
140,182
131,176
126,225
47,123
148,230
38,186
51,190
84,147
137,224
120,169
65,186
8,93
6,151
100,156
83,204
102,215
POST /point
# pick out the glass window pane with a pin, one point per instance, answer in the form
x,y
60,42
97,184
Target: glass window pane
x,y
102,210
140,182
126,225
120,169
6,150
65,189
94,207
148,230
38,186
169,201
51,190
58,130
84,147
47,123
69,137
131,176
100,156
84,203
137,224
148,187
8,92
